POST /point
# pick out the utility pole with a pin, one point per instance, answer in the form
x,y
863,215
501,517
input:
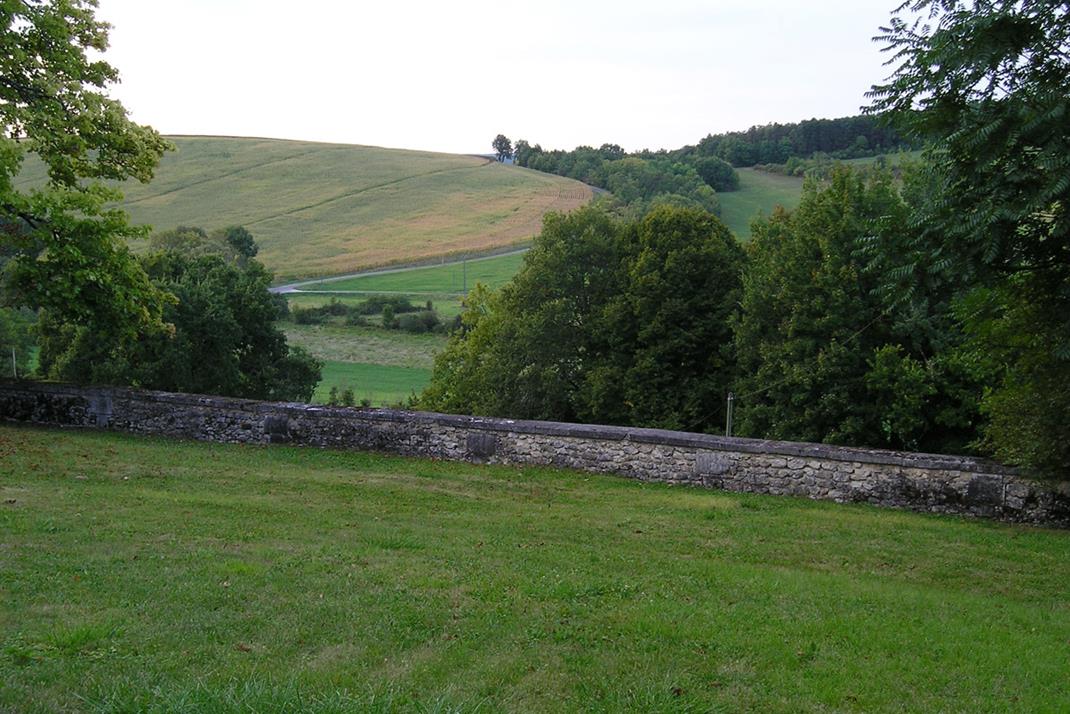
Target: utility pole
x,y
14,365
728,415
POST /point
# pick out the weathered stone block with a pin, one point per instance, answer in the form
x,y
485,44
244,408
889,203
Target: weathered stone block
x,y
277,429
709,464
482,445
985,490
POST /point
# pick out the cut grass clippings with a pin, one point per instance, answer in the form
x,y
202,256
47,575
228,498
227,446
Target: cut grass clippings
x,y
155,575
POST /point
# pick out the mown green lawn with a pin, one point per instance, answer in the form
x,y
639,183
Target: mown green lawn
x,y
143,574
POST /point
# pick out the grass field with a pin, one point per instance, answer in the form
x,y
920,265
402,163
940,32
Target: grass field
x,y
383,366
438,279
365,344
759,192
322,209
378,384
143,574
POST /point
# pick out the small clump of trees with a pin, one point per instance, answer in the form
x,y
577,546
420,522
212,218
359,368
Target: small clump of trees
x,y
219,334
607,321
397,313
637,182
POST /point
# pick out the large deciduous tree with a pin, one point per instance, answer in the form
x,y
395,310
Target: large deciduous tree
x,y
527,350
821,356
503,148
610,322
64,249
987,85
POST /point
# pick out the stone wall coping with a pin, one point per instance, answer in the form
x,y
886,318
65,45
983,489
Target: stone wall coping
x,y
662,437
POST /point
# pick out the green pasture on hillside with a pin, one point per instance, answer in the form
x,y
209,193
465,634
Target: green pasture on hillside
x,y
141,574
327,209
450,278
762,191
759,193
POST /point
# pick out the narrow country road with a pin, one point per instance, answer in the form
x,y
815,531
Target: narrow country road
x,y
296,287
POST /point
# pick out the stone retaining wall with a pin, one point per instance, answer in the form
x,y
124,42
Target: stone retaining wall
x,y
923,482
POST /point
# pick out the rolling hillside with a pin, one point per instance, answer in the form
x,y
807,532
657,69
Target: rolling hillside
x,y
324,209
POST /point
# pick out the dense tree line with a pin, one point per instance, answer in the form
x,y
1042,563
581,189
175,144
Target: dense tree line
x,y
930,312
652,322
843,138
691,175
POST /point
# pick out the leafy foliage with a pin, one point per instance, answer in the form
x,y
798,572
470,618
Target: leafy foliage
x,y
987,85
717,173
66,249
670,359
822,357
17,337
639,182
524,351
612,322
223,339
503,148
1013,336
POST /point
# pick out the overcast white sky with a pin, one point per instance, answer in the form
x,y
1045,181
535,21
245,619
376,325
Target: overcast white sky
x,y
449,76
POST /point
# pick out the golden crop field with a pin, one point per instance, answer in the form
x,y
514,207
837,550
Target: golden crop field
x,y
324,209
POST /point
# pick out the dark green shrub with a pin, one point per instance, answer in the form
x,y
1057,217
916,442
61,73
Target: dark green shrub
x,y
418,322
389,321
308,316
377,303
